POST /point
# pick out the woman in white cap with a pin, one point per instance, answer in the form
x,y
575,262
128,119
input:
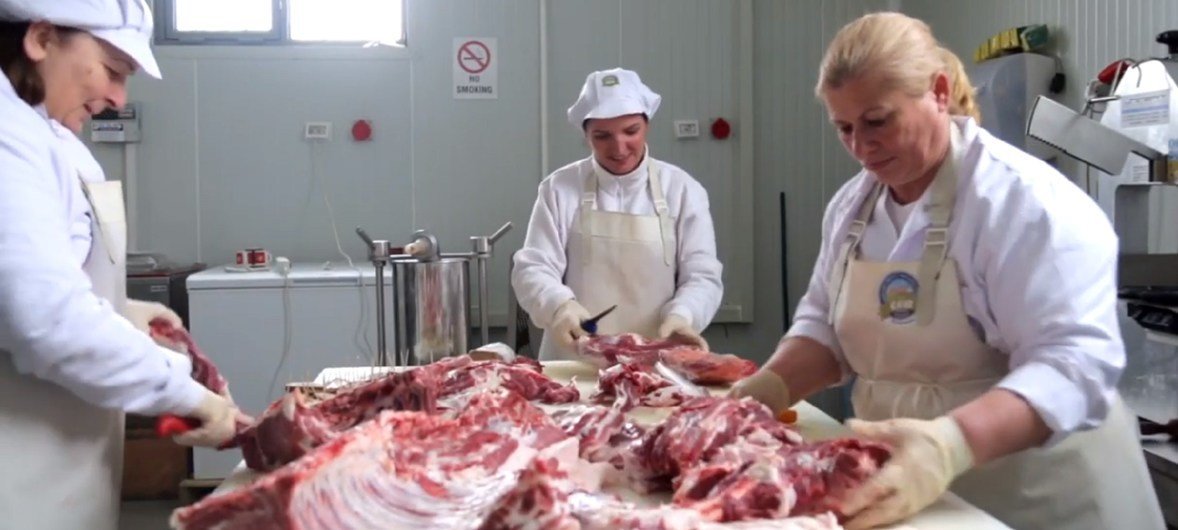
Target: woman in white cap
x,y
70,363
618,228
971,288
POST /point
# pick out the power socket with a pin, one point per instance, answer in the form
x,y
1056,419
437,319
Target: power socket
x,y
686,128
317,130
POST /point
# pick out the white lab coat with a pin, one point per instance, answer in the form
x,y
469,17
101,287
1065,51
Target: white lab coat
x,y
1036,263
542,263
86,167
52,326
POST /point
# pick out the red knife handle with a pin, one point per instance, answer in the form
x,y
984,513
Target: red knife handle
x,y
171,425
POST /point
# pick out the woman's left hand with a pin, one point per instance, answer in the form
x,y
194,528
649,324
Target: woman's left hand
x,y
926,456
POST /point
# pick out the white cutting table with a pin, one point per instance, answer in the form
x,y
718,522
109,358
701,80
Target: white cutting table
x,y
950,512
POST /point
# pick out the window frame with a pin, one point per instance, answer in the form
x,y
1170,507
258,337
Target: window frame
x,y
166,32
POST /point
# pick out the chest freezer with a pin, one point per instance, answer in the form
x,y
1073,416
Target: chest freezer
x,y
264,330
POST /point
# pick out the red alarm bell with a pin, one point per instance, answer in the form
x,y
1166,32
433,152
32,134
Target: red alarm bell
x,y
362,130
721,129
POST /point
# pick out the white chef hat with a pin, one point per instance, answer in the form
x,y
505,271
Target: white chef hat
x,y
612,93
125,24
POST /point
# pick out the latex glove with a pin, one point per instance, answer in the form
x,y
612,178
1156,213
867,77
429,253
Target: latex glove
x,y
678,328
218,422
566,323
141,313
926,456
766,387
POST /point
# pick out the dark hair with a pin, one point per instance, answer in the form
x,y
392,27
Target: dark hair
x,y
21,70
585,122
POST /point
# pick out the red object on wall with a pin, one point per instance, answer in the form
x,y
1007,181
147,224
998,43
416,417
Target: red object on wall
x,y
721,129
362,130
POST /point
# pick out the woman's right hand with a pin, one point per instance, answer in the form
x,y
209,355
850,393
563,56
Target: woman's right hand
x,y
766,387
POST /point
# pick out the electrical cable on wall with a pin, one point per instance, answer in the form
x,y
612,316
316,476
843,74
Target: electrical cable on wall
x,y
361,332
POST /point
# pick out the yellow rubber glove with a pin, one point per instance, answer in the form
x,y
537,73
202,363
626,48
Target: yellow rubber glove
x,y
679,329
141,313
766,387
218,422
926,456
566,323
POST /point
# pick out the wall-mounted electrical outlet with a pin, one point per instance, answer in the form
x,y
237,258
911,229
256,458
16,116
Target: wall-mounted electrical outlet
x,y
317,130
686,128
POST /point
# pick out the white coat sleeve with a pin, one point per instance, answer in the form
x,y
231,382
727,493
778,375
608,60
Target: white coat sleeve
x,y
811,319
699,288
1050,278
51,323
539,268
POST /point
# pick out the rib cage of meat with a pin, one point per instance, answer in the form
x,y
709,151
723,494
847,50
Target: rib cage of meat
x,y
400,470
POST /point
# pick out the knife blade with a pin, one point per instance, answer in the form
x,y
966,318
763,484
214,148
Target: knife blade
x,y
590,326
680,381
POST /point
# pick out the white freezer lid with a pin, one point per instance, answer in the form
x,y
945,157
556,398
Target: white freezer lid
x,y
301,275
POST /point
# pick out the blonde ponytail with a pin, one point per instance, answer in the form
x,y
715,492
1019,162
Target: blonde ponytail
x,y
902,52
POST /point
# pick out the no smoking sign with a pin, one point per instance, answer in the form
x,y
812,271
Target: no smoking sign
x,y
476,68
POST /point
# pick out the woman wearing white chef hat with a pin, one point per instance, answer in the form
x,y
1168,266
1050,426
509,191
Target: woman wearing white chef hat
x,y
971,288
71,363
618,228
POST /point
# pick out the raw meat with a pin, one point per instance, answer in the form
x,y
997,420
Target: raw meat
x,y
630,385
293,425
290,428
539,501
178,339
522,376
405,470
700,366
699,428
604,433
747,480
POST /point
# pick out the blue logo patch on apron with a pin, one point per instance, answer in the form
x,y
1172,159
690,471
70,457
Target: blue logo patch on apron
x,y
897,298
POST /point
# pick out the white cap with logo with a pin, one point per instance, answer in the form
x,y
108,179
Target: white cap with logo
x,y
612,93
125,24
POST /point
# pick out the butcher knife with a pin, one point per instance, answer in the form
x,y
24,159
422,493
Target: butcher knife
x,y
590,326
680,381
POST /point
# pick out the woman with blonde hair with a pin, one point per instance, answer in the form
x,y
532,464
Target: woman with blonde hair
x,y
970,288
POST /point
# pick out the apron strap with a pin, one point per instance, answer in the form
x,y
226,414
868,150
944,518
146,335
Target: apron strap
x,y
588,205
660,207
97,224
850,247
936,237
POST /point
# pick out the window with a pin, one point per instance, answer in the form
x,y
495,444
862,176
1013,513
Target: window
x,y
280,21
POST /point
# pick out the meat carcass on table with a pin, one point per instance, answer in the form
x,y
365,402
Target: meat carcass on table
x,y
698,429
631,385
293,425
290,427
523,376
409,470
604,433
747,480
700,366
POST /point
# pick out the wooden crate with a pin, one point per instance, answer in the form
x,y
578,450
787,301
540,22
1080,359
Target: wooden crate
x,y
152,467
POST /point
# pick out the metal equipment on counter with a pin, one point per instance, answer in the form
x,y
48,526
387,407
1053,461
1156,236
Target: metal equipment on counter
x,y
431,296
1134,145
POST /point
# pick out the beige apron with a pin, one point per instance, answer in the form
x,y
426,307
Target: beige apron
x,y
622,259
62,458
907,337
